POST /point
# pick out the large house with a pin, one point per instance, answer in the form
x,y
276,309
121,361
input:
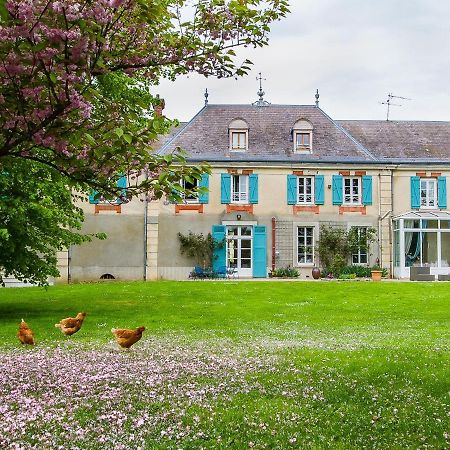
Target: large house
x,y
278,173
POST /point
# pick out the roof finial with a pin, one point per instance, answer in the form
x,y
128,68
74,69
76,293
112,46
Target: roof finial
x,y
261,101
206,96
317,97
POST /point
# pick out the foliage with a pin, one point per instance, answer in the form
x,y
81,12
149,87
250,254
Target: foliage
x,y
37,218
285,272
358,271
336,245
199,247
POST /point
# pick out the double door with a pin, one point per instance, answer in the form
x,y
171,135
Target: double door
x,y
239,249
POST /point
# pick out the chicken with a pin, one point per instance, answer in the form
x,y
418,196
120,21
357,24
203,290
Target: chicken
x,y
25,334
71,325
126,338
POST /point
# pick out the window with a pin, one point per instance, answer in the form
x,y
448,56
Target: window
x,y
238,140
239,189
359,254
352,190
190,197
305,186
305,245
301,134
303,141
428,193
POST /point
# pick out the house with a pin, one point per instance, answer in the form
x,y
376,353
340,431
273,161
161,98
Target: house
x,y
278,173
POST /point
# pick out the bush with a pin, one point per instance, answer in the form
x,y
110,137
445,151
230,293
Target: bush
x,y
285,272
347,276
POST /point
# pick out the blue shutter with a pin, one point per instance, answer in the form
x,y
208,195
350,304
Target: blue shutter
x,y
259,251
415,192
92,199
442,192
122,185
337,189
219,254
225,187
204,183
319,190
253,188
367,190
292,189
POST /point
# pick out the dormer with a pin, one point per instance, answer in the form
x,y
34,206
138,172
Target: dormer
x,y
302,134
238,133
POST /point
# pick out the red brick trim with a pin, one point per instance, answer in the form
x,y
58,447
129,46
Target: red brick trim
x,y
347,209
359,173
116,208
297,172
232,171
247,172
344,173
421,174
198,208
245,208
306,208
435,174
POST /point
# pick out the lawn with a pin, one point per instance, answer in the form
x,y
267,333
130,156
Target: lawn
x,y
229,365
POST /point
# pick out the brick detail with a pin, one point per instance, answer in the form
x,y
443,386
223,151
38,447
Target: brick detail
x,y
435,174
306,208
359,173
198,208
358,209
247,172
245,208
421,174
235,171
116,208
297,172
344,173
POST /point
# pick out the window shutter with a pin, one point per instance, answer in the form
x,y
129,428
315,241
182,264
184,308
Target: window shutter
x,y
225,187
319,190
337,189
367,190
92,199
415,192
442,192
292,189
122,185
204,183
219,254
253,188
259,251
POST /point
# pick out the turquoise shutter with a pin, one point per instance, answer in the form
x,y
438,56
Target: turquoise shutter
x,y
92,199
253,188
225,187
415,192
319,190
292,189
367,190
259,251
219,254
204,183
122,185
337,189
442,192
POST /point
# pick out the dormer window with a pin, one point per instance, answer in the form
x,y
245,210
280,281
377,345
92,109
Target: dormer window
x,y
238,132
302,136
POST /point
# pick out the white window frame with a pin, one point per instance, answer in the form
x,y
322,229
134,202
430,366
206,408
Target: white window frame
x,y
242,195
302,148
366,253
352,200
189,200
239,148
297,241
300,200
428,199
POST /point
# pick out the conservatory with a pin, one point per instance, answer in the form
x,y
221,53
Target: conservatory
x,y
421,239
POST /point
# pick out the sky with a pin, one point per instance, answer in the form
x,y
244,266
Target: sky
x,y
354,51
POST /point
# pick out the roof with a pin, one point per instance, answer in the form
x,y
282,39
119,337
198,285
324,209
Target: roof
x,y
402,140
206,137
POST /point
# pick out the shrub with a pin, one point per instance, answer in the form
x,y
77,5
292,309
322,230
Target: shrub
x,y
285,272
347,276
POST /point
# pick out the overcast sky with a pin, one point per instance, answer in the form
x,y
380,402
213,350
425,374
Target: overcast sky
x,y
354,51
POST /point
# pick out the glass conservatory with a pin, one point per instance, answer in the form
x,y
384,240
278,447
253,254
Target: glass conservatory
x,y
421,239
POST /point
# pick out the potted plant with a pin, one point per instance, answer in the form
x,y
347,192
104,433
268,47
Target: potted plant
x,y
376,273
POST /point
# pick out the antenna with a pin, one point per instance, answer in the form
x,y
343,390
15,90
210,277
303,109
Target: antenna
x,y
389,104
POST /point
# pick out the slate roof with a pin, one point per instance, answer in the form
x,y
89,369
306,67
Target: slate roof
x,y
402,140
205,137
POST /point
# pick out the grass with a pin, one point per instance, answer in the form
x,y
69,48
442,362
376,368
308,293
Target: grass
x,y
231,365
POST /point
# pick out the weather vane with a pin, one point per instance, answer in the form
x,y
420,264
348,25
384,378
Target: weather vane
x,y
261,101
388,103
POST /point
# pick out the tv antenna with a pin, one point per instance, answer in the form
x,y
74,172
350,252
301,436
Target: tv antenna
x,y
389,103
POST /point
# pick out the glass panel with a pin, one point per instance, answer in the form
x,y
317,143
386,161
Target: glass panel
x,y
445,224
429,223
412,248
445,249
246,231
246,263
429,249
396,248
246,253
246,243
232,231
412,223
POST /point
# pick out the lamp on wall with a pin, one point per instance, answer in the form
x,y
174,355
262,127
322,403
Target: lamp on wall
x,y
238,216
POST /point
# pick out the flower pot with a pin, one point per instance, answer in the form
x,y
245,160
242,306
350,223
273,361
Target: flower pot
x,y
376,275
316,273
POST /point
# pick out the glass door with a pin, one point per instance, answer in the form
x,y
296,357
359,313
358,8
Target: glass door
x,y
239,249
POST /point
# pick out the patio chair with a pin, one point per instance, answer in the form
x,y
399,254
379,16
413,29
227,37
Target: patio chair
x,y
198,272
221,272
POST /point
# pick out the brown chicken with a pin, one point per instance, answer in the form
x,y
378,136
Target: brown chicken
x,y
71,325
25,334
126,338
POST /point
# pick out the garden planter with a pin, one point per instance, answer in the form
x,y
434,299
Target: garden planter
x,y
376,275
316,273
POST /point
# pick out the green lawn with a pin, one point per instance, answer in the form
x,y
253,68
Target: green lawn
x,y
230,365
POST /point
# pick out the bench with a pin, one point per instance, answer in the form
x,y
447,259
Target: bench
x,y
420,274
444,277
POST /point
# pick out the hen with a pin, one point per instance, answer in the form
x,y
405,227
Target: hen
x,y
126,338
25,334
71,325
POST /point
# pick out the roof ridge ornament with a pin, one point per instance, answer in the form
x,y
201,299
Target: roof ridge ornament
x,y
260,102
206,96
317,97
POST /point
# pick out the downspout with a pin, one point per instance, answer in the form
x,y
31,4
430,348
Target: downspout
x,y
273,242
145,231
380,237
69,258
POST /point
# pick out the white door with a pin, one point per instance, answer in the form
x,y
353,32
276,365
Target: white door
x,y
240,249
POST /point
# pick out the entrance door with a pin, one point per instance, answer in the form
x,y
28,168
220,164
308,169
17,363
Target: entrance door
x,y
240,249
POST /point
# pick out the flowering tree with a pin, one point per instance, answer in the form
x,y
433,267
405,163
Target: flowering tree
x,y
76,79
